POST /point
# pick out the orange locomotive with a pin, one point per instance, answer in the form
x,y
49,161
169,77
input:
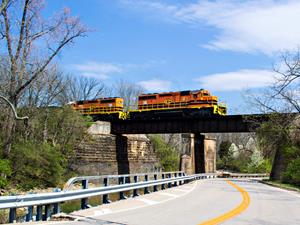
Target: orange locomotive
x,y
181,103
102,108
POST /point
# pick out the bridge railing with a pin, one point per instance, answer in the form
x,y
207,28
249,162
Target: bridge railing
x,y
46,204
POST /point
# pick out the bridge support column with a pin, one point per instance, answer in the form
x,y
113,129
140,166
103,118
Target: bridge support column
x,y
122,154
205,150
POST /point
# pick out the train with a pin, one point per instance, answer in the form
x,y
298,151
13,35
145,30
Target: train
x,y
180,104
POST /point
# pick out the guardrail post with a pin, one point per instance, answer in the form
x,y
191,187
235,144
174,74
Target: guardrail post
x,y
12,215
163,185
135,191
169,184
146,189
185,181
122,181
29,214
105,197
56,208
39,211
47,213
175,183
84,201
155,186
180,175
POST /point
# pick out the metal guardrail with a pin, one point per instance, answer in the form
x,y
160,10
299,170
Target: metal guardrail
x,y
47,204
69,184
243,175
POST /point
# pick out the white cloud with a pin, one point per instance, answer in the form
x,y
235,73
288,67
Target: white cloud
x,y
156,85
265,26
98,70
102,70
237,80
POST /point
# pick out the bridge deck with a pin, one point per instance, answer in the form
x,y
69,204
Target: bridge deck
x,y
208,124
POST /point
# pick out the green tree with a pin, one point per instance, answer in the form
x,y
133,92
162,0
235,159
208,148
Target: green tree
x,y
224,149
292,172
43,159
37,165
5,171
167,155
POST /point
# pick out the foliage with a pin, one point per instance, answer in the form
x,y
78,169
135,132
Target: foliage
x,y
243,162
264,166
226,160
167,155
281,148
224,149
37,165
292,172
291,169
43,150
5,170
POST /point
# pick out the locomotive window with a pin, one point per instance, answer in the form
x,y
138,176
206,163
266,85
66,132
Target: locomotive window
x,y
80,102
147,97
184,93
93,101
164,95
108,101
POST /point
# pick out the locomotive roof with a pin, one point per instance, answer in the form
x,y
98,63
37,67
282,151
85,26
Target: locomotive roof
x,y
173,92
104,98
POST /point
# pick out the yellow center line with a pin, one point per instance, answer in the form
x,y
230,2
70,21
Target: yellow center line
x,y
234,212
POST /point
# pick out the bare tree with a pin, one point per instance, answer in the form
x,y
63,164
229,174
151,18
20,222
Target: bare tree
x,y
284,94
3,5
45,90
129,92
32,43
282,97
84,88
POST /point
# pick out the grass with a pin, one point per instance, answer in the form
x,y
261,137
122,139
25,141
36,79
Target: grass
x,y
279,184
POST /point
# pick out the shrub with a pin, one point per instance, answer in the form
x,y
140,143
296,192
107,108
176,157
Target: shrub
x,y
292,172
5,171
224,150
36,165
167,155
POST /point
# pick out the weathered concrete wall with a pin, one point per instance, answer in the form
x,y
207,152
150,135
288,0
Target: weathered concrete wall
x,y
140,154
200,154
100,127
186,164
97,155
111,154
210,154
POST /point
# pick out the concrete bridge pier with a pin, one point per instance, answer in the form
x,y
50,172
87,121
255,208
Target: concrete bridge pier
x,y
122,154
205,151
201,154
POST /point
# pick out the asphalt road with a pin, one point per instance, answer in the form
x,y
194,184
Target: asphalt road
x,y
199,202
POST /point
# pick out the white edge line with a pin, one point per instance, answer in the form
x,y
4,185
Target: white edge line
x,y
138,207
283,190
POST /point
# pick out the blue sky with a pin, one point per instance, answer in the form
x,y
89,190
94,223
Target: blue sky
x,y
225,46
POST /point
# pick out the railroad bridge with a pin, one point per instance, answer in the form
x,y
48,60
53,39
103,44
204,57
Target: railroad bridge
x,y
202,155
